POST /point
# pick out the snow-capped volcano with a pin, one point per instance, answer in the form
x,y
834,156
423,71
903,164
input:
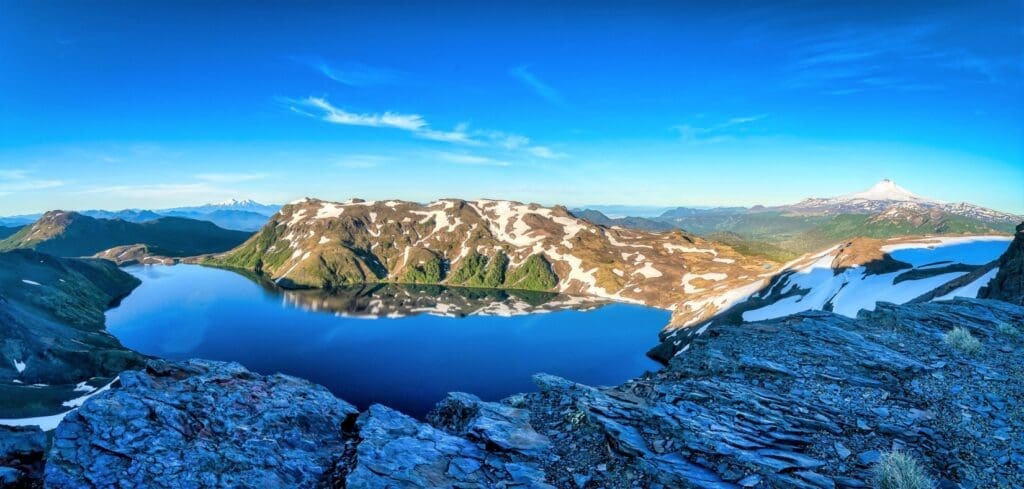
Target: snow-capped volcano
x,y
888,201
235,203
885,190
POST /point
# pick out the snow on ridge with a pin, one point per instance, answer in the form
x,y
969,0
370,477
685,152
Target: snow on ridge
x,y
31,282
688,249
328,210
884,190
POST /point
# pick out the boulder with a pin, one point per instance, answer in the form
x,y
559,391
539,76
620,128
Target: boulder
x,y
200,424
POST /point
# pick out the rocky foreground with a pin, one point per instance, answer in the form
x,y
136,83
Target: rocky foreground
x,y
809,401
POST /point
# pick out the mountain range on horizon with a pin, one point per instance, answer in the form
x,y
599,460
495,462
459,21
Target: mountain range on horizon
x,y
234,214
784,232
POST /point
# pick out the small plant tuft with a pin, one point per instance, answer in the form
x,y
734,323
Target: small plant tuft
x,y
898,470
961,339
1008,330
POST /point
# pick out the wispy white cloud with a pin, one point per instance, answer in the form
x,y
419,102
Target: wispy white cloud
x,y
726,130
230,177
468,159
352,74
545,152
335,115
416,125
19,180
545,91
159,191
908,57
362,161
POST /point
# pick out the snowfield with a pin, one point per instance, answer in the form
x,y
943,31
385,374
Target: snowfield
x,y
817,286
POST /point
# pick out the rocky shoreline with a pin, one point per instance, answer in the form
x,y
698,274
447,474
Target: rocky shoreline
x,y
808,401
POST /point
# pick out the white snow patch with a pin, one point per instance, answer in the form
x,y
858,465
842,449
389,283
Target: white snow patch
x,y
648,271
328,210
19,366
687,249
30,282
724,260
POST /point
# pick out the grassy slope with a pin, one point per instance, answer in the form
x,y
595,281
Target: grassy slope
x,y
6,231
85,236
56,328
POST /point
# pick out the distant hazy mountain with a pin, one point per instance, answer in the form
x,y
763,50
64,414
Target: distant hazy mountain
x,y
130,215
243,215
72,234
18,221
6,231
885,210
615,211
246,205
646,224
240,215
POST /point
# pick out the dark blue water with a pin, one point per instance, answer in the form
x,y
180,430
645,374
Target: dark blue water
x,y
408,363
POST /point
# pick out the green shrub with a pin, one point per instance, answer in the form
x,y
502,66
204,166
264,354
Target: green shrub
x,y
1007,329
898,470
961,339
471,270
534,274
429,272
495,276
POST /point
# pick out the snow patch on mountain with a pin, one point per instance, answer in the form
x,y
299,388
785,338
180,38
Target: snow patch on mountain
x,y
885,190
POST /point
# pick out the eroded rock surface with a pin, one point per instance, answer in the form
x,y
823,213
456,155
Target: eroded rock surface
x,y
200,424
1008,284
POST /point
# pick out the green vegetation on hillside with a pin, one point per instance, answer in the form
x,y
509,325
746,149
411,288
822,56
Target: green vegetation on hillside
x,y
428,270
534,274
52,320
477,270
70,234
255,254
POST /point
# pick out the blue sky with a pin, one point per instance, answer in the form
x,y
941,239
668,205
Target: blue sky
x,y
138,104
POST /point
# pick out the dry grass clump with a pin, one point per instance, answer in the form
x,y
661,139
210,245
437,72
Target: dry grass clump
x,y
961,339
898,470
1007,329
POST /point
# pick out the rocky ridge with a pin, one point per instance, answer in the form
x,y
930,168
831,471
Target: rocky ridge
x,y
72,234
488,243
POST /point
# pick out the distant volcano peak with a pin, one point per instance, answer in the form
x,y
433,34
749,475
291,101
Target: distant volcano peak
x,y
886,189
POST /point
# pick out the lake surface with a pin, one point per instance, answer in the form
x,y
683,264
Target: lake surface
x,y
404,347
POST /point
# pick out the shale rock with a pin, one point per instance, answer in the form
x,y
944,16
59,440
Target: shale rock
x,y
1008,284
200,424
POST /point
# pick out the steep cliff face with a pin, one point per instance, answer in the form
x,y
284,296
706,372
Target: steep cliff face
x,y
1008,284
